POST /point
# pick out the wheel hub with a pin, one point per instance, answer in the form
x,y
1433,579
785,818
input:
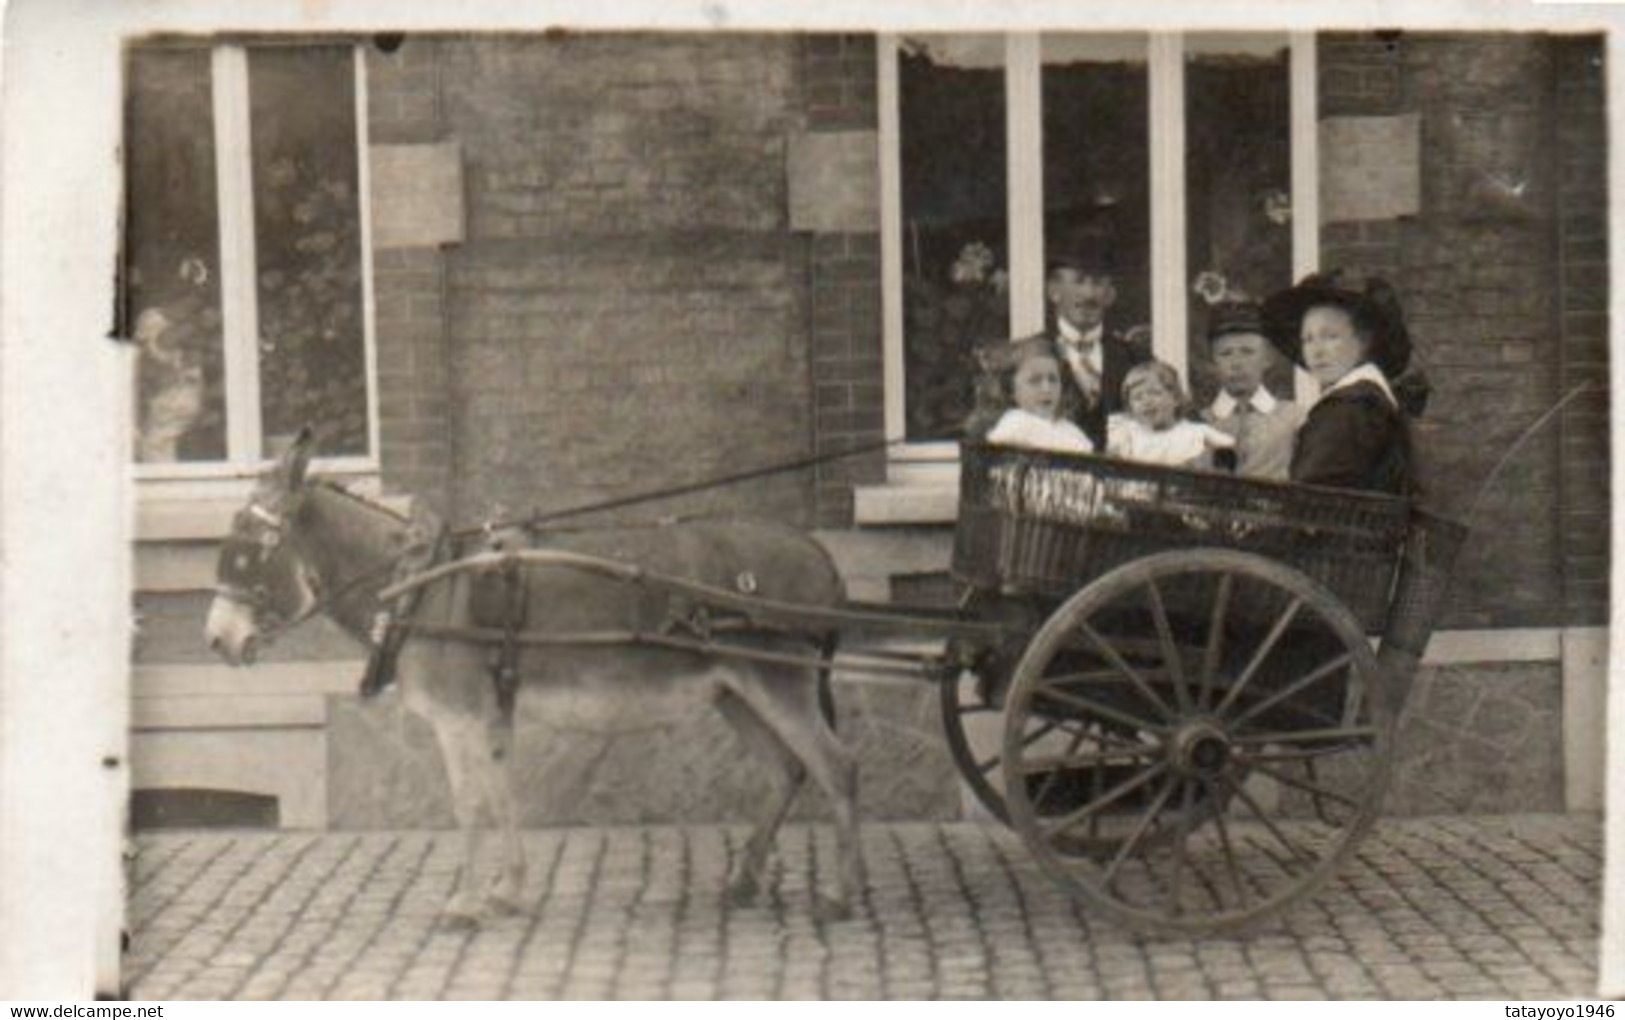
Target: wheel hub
x,y
1200,748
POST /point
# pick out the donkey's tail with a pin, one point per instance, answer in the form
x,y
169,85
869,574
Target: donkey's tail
x,y
826,687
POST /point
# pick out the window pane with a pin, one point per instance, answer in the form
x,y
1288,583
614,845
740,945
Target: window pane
x,y
1238,183
1097,158
173,295
955,231
307,232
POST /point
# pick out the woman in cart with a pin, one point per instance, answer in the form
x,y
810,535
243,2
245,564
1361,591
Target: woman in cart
x,y
1355,344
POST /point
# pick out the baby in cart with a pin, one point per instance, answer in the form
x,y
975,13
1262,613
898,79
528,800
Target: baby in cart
x,y
1029,376
1151,430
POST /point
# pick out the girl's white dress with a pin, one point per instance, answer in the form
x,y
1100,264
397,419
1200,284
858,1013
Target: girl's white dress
x,y
1183,442
1028,431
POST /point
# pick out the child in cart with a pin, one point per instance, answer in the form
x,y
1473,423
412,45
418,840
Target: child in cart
x,y
1029,375
1151,430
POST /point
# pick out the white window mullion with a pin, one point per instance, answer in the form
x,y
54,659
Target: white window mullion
x,y
1024,173
1169,331
891,231
1305,179
364,211
239,297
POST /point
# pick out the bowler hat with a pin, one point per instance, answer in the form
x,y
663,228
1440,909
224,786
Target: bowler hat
x,y
1372,305
1234,317
1088,252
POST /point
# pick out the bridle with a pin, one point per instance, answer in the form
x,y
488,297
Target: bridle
x,y
257,598
247,554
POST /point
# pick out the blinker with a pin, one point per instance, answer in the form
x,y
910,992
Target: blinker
x,y
265,516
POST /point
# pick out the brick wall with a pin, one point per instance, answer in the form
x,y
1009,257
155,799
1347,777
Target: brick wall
x,y
628,309
403,107
844,298
1490,302
1582,200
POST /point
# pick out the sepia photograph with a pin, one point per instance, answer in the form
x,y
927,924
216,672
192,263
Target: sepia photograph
x,y
746,502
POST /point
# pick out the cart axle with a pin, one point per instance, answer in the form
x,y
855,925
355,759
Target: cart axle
x,y
1200,748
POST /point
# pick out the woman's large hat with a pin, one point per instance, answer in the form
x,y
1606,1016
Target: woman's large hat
x,y
1372,305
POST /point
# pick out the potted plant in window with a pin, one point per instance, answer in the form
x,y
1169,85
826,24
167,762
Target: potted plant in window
x,y
947,317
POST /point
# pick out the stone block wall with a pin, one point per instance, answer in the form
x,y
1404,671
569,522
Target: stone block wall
x,y
1480,739
690,768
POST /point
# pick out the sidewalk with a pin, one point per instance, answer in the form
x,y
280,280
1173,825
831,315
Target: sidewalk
x,y
1492,907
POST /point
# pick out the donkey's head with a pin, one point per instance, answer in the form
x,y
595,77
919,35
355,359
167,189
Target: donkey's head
x,y
265,581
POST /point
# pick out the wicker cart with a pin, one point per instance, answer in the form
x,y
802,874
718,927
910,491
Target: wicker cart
x,y
1198,715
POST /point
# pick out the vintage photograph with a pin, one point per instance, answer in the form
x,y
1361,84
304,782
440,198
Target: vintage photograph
x,y
955,513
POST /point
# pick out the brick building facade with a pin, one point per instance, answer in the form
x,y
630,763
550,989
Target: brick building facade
x,y
588,272
631,307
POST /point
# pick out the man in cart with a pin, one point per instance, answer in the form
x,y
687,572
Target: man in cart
x,y
1081,288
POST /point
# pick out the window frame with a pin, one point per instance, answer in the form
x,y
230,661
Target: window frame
x,y
239,296
934,461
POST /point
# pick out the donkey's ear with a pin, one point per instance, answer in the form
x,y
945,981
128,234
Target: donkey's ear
x,y
296,461
286,478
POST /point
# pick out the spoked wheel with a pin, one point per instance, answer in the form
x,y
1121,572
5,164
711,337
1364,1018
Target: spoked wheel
x,y
973,723
976,745
1235,708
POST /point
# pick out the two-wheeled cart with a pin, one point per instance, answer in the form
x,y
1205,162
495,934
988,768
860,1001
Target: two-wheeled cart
x,y
1191,679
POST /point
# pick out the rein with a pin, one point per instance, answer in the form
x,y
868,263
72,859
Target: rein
x,y
325,599
537,518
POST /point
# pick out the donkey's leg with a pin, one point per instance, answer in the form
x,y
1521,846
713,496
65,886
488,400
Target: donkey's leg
x,y
789,706
492,766
460,739
746,882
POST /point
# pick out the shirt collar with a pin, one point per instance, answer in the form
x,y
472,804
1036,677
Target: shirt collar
x,y
1263,401
1073,335
1366,372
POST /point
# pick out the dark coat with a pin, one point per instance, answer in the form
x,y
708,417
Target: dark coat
x,y
1354,438
1117,356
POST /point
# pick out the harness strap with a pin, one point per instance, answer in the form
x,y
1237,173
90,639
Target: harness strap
x,y
394,624
505,667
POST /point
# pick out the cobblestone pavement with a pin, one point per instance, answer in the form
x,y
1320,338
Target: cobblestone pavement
x,y
1501,908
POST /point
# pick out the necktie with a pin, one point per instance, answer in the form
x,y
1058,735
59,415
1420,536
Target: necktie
x,y
1246,420
1084,372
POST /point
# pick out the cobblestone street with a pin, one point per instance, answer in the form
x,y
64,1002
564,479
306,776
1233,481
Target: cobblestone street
x,y
1489,907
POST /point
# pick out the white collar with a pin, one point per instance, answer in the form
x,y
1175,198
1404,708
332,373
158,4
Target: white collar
x,y
1365,372
1073,335
1263,401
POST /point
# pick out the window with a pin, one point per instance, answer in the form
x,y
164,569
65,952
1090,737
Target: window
x,y
248,283
1193,153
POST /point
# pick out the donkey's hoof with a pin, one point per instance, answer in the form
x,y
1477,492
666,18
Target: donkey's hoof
x,y
742,891
503,905
828,908
459,920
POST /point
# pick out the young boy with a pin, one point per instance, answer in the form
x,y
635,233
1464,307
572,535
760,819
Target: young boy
x,y
1263,424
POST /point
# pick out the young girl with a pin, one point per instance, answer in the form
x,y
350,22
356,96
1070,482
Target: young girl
x,y
1151,430
1029,373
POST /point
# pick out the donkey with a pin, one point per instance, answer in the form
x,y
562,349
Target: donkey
x,y
303,546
